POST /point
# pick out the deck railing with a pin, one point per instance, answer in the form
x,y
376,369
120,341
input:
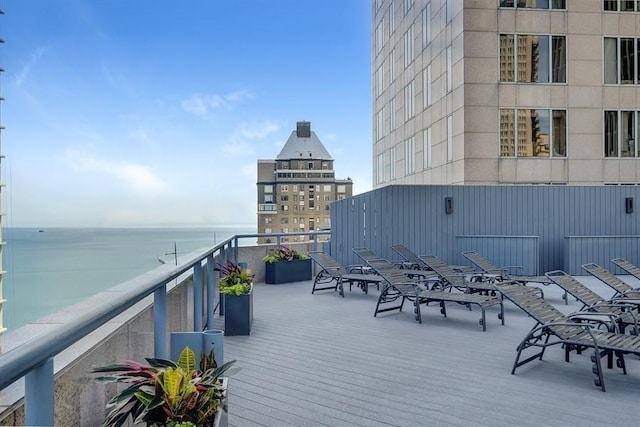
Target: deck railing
x,y
34,359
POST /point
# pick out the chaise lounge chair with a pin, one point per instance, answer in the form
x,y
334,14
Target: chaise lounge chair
x,y
616,313
333,275
555,328
412,259
501,274
451,278
627,266
622,288
398,286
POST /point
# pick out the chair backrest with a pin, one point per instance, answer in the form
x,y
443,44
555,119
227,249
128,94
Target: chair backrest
x,y
528,299
572,286
372,259
627,266
607,277
444,270
407,254
481,262
327,263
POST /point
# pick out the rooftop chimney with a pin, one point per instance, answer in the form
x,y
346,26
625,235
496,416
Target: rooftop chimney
x,y
303,129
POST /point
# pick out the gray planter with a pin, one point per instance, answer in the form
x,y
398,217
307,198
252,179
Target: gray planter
x,y
238,314
297,270
199,342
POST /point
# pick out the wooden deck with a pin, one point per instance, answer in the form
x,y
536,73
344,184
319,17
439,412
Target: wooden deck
x,y
322,360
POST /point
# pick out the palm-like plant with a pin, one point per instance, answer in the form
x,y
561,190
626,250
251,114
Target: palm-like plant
x,y
166,393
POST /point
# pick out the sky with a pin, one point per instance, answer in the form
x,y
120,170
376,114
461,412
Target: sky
x,y
155,112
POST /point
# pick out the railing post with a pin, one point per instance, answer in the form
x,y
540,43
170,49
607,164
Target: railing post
x,y
223,261
160,347
235,249
197,297
39,398
211,300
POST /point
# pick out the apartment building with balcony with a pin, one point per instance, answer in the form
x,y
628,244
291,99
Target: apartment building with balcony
x,y
494,92
296,189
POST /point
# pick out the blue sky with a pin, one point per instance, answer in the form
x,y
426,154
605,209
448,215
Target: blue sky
x,y
145,112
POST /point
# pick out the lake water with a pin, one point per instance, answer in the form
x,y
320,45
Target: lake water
x,y
50,269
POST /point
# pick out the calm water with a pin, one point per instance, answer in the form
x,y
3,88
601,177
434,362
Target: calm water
x,y
49,270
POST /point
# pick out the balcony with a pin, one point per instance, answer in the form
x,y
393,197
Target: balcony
x,y
321,359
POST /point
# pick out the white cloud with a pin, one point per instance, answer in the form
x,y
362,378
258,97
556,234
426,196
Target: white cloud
x,y
203,105
142,135
137,177
26,69
256,130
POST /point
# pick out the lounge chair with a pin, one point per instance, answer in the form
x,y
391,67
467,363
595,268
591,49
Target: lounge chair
x,y
627,266
501,274
333,275
412,259
622,288
398,286
617,312
554,327
451,278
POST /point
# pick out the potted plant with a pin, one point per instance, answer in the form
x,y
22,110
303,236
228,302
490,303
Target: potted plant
x,y
284,265
236,287
167,393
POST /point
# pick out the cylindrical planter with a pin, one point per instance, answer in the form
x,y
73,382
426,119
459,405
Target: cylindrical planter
x,y
199,342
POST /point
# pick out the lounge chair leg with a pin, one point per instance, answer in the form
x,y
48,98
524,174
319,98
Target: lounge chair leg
x,y
597,370
443,309
483,320
416,310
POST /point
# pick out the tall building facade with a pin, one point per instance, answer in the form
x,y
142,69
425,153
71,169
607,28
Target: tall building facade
x,y
506,92
296,189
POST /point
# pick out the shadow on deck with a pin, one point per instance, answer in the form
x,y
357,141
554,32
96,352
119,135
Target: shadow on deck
x,y
324,360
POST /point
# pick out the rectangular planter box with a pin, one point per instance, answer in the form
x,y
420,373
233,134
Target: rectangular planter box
x,y
238,314
297,270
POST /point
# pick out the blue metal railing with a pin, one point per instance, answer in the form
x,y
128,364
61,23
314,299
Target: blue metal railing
x,y
34,359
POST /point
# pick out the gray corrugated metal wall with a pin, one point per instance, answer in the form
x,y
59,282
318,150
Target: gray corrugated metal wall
x,y
415,216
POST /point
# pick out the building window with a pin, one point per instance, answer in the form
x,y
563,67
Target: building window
x,y
392,19
284,188
268,198
449,71
620,130
533,58
380,168
391,153
267,230
407,5
426,85
449,138
392,115
327,188
621,6
533,133
268,220
284,197
284,220
380,80
448,12
380,125
268,188
378,5
408,47
620,60
409,156
392,65
535,4
427,147
379,36
409,110
426,25
341,188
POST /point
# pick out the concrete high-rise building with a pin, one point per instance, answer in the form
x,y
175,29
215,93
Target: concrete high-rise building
x,y
505,92
296,189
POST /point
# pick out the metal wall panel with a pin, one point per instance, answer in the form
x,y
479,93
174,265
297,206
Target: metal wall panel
x,y
415,216
522,251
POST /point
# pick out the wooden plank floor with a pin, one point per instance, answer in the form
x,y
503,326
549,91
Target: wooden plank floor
x,y
322,360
